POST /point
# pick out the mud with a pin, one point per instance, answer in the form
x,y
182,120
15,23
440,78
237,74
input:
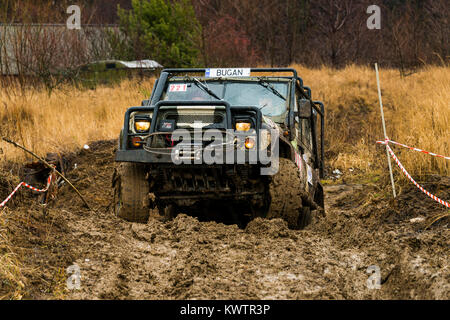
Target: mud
x,y
188,259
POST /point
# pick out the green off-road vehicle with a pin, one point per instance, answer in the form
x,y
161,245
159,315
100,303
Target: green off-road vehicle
x,y
234,144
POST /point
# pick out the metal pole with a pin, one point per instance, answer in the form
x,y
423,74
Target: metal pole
x,y
384,129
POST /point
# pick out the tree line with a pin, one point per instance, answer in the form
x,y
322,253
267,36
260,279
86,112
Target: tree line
x,y
183,33
324,32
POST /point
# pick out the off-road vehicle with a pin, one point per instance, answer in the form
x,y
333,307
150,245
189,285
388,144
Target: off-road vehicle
x,y
164,141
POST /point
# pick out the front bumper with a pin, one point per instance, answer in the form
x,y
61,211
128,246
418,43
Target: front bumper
x,y
145,157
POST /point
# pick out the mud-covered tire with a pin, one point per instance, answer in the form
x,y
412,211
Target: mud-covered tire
x,y
285,192
131,193
305,217
169,212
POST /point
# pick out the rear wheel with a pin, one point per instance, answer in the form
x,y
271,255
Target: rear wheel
x,y
285,192
131,193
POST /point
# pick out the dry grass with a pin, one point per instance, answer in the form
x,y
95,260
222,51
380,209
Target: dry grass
x,y
11,277
67,119
417,110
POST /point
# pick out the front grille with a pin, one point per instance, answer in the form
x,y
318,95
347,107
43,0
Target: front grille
x,y
186,118
191,118
193,180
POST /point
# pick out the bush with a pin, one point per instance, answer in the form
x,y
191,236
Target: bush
x,y
167,32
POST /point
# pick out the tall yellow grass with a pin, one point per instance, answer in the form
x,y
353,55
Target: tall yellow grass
x,y
67,119
12,281
417,110
417,113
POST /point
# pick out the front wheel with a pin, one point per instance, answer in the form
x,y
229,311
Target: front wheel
x,y
131,193
285,196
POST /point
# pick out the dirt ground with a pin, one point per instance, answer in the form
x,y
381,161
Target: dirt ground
x,y
188,259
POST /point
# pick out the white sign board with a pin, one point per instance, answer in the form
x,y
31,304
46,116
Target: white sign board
x,y
227,73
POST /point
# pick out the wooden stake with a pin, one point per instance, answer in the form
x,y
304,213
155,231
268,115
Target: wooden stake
x,y
384,129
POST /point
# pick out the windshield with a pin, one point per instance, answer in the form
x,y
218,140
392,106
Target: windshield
x,y
269,96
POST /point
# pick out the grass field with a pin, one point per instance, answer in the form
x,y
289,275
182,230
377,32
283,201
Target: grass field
x,y
417,113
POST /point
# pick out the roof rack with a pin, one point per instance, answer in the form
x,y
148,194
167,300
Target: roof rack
x,y
264,70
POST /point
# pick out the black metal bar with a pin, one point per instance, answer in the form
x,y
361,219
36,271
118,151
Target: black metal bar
x,y
305,91
320,111
252,108
308,91
322,137
153,89
160,86
258,122
126,125
291,116
314,138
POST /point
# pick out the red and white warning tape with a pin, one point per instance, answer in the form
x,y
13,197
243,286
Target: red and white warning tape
x,y
414,149
49,182
409,176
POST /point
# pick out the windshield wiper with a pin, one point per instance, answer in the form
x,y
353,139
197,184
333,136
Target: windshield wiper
x,y
204,88
270,87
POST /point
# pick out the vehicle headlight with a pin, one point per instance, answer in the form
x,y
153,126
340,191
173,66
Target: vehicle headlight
x,y
142,125
243,126
137,142
250,143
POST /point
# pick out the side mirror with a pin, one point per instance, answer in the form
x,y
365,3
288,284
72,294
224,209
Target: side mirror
x,y
305,109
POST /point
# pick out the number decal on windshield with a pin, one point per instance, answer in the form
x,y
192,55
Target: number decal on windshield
x,y
178,88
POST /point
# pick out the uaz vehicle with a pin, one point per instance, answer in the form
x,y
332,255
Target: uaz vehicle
x,y
163,142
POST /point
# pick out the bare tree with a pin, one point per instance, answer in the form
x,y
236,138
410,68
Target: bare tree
x,y
35,50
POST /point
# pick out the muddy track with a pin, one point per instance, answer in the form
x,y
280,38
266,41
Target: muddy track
x,y
188,259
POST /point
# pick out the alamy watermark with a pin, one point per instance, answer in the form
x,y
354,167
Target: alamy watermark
x,y
374,21
74,281
74,20
374,281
